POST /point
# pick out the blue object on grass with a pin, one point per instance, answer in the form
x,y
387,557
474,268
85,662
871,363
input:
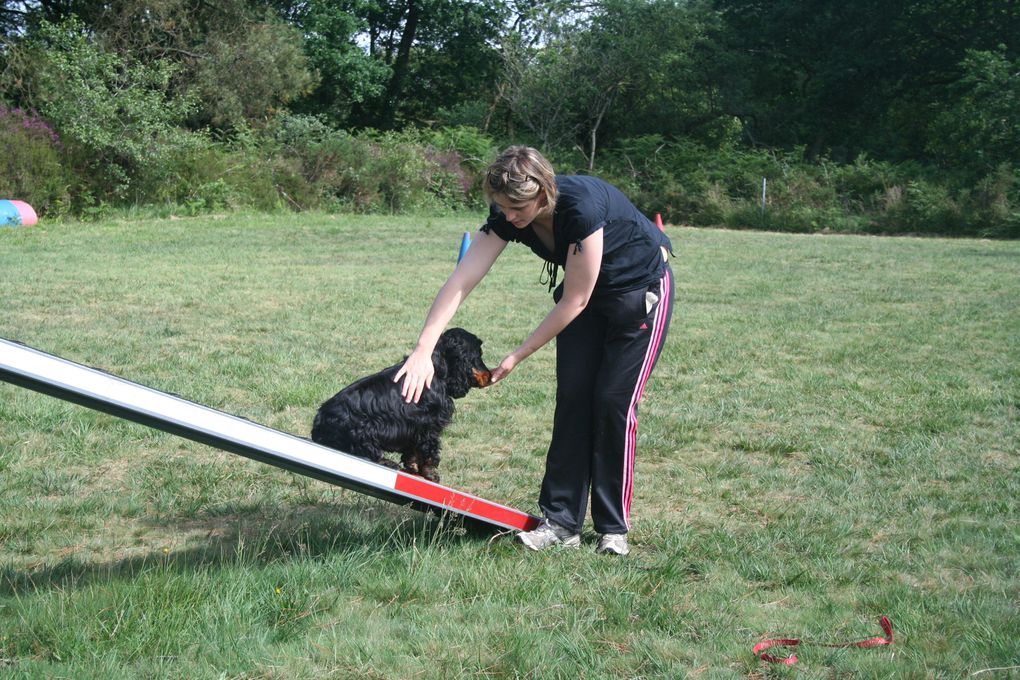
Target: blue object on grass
x,y
10,216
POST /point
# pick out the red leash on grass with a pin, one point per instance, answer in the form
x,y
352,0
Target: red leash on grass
x,y
760,648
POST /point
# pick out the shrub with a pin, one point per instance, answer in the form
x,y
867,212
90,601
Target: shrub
x,y
119,123
326,162
373,171
464,152
995,203
30,167
475,149
219,176
405,178
692,184
861,184
921,207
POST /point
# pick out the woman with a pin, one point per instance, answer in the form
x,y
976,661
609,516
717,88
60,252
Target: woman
x,y
610,319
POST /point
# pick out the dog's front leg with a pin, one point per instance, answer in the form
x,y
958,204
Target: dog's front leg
x,y
410,461
428,458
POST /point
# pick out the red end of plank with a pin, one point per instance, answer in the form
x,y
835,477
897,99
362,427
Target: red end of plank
x,y
463,502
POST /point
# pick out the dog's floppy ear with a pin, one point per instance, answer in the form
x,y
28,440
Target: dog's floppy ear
x,y
439,361
458,353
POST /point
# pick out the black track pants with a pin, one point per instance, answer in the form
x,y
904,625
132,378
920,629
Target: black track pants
x,y
603,361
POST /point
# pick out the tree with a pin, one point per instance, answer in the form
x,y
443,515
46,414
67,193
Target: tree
x,y
979,128
238,61
850,77
118,112
644,72
629,69
440,53
248,74
348,75
535,80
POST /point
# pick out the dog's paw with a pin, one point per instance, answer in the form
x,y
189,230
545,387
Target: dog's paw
x,y
430,473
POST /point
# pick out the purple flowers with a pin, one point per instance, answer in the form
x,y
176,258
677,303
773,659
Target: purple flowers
x,y
29,122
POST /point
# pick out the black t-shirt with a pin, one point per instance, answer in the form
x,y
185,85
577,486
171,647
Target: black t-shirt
x,y
631,256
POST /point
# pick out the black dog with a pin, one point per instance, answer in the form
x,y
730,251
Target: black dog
x,y
370,416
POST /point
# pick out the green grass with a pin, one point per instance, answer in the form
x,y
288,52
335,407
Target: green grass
x,y
831,435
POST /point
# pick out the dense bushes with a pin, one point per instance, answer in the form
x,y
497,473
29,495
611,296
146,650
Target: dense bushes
x,y
302,163
120,123
31,166
689,183
298,162
371,171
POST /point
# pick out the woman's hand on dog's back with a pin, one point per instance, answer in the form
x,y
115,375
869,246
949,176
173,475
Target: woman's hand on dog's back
x,y
417,373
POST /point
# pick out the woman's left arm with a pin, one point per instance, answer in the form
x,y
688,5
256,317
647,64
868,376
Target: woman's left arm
x,y
579,277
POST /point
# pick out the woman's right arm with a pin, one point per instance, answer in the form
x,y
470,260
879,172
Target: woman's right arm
x,y
418,370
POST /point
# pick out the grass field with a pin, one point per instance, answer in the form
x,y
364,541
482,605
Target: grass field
x,y
831,435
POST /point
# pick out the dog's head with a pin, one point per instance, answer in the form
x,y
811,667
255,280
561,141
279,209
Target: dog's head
x,y
458,360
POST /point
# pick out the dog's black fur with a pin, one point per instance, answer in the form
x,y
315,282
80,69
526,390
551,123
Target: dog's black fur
x,y
370,416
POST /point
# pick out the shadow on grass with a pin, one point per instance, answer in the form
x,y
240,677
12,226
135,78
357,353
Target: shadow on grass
x,y
257,538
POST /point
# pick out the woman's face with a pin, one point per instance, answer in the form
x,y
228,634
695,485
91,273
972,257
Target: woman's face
x,y
520,214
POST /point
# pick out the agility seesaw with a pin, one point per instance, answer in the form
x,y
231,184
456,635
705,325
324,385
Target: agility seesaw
x,y
102,391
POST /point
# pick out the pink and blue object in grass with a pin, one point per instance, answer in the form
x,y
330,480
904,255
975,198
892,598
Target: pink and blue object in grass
x,y
16,213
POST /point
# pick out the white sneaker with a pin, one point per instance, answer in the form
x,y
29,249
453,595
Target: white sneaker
x,y
549,533
613,544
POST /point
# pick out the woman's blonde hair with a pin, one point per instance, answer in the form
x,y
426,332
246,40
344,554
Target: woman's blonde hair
x,y
519,173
